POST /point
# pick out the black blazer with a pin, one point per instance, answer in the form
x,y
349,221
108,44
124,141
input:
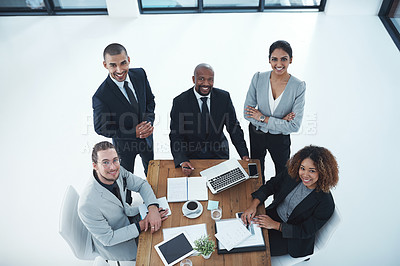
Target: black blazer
x,y
114,116
306,219
186,140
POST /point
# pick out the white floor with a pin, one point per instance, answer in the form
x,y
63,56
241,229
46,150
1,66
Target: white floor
x,y
51,66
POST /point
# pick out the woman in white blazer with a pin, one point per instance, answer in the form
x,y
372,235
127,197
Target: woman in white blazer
x,y
274,106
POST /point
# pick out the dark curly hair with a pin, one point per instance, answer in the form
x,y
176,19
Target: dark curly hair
x,y
325,162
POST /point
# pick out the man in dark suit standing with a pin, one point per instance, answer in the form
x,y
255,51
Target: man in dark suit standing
x,y
123,109
198,117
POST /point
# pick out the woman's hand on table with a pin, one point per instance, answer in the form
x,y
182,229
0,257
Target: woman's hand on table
x,y
250,212
267,222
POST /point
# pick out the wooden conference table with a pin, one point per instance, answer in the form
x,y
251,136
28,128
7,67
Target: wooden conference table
x,y
235,199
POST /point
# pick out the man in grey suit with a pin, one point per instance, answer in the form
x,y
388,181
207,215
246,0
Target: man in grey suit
x,y
114,224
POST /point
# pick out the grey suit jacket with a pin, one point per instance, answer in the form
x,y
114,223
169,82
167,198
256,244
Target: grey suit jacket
x,y
107,219
292,100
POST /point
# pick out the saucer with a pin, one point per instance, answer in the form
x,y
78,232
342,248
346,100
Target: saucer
x,y
194,215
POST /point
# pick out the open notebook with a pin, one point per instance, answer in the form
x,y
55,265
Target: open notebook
x,y
186,188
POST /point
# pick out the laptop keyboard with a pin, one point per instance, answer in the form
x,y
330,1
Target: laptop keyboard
x,y
227,179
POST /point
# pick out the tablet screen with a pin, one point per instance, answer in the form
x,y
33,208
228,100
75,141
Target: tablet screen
x,y
175,248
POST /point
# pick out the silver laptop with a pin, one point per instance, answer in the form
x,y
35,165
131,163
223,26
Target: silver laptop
x,y
224,175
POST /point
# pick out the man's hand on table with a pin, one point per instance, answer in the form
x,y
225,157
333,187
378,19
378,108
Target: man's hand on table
x,y
154,218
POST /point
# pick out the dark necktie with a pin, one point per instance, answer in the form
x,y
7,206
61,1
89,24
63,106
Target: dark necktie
x,y
205,117
131,97
116,192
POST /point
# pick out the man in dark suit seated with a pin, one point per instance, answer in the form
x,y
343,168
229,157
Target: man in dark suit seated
x,y
123,109
198,117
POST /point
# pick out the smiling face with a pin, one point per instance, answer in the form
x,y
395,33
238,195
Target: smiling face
x,y
107,166
203,80
308,173
117,65
280,61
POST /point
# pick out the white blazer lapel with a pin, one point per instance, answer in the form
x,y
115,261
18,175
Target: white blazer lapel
x,y
263,91
106,194
285,100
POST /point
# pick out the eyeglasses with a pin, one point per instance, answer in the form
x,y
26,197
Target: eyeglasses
x,y
116,162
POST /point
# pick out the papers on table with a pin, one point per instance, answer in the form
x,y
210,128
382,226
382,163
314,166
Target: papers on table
x,y
162,202
194,231
186,188
253,242
231,232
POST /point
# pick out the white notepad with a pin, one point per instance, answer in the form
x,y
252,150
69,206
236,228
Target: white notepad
x,y
186,188
194,231
162,203
252,243
232,233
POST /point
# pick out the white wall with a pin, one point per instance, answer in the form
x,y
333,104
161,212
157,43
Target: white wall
x,y
51,66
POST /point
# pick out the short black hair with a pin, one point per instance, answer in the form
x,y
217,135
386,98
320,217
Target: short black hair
x,y
202,65
114,49
284,45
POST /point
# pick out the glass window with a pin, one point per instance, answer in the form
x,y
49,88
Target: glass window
x,y
168,3
199,6
80,4
390,17
23,4
293,3
53,7
396,22
231,3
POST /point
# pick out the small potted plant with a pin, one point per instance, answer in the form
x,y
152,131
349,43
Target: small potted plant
x,y
205,246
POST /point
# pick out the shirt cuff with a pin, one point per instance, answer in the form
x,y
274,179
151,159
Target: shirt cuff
x,y
155,204
138,227
287,230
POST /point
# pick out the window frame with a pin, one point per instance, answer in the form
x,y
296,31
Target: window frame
x,y
387,22
50,10
200,8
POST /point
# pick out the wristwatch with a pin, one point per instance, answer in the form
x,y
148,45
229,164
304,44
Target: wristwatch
x,y
262,118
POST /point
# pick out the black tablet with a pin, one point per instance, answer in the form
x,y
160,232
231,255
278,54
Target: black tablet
x,y
175,249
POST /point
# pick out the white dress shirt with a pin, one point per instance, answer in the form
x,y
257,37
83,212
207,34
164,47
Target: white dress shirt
x,y
120,85
273,103
200,101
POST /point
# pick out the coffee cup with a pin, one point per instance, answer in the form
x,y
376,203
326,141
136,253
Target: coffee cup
x,y
192,205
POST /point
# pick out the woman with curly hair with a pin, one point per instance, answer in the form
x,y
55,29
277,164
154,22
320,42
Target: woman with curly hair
x,y
302,202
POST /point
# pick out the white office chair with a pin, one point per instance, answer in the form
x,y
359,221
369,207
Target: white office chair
x,y
72,229
99,261
321,239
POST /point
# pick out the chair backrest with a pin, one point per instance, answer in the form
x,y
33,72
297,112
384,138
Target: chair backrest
x,y
99,261
325,233
72,229
321,239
